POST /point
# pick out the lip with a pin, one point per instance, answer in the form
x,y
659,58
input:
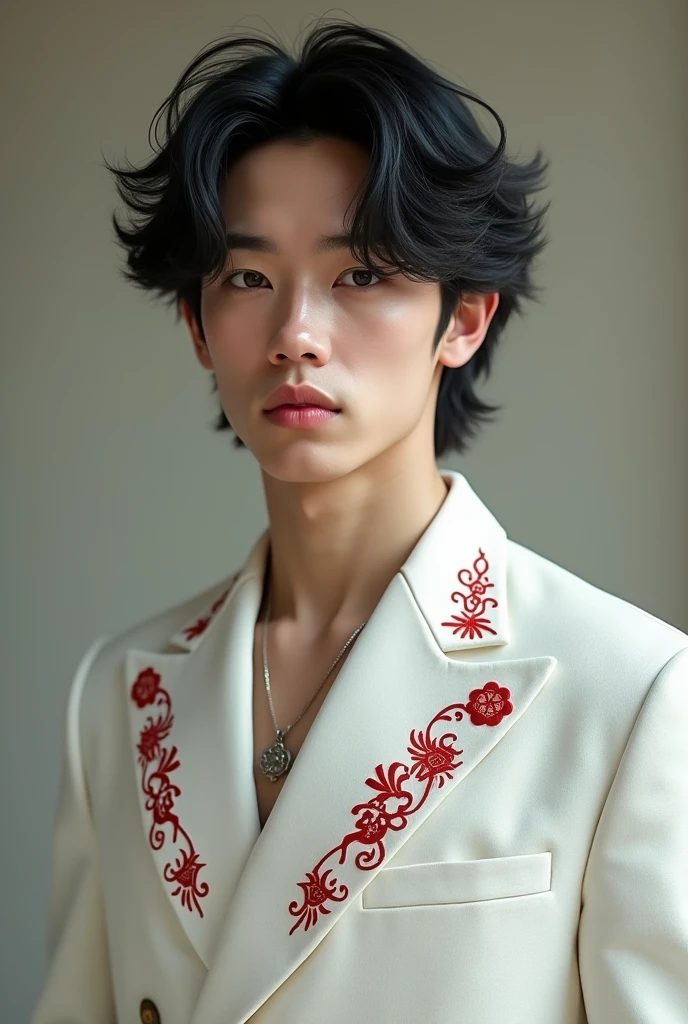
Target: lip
x,y
299,395
301,417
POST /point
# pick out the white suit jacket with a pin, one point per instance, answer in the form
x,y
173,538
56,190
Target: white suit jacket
x,y
487,822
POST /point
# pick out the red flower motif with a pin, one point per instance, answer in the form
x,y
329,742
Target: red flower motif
x,y
473,623
470,626
218,604
149,741
489,705
145,689
201,624
185,872
198,627
317,889
434,758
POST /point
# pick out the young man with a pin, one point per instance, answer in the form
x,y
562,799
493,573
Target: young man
x,y
397,767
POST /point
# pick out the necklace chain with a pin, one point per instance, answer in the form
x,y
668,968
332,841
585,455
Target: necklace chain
x,y
277,759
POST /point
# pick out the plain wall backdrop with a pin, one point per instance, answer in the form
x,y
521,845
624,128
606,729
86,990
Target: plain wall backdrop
x,y
118,500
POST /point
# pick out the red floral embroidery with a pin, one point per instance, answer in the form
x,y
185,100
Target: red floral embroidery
x,y
489,705
149,741
201,624
434,759
145,688
473,622
161,792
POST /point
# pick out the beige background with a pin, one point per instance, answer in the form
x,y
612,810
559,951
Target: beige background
x,y
118,500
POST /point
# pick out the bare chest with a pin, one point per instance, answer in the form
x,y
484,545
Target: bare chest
x,y
293,682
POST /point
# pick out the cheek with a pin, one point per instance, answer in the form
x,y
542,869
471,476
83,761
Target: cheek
x,y
227,331
395,360
235,362
235,367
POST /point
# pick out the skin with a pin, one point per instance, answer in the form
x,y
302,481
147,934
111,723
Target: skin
x,y
348,500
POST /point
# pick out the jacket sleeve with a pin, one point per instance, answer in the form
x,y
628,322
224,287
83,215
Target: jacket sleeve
x,y
633,932
77,988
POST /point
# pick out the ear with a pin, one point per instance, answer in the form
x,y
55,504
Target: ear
x,y
467,328
199,343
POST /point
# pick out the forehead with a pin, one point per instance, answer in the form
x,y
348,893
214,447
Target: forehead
x,y
288,185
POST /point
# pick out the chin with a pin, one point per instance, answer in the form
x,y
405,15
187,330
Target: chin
x,y
303,462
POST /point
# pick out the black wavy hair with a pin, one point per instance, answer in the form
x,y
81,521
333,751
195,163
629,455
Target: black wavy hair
x,y
439,201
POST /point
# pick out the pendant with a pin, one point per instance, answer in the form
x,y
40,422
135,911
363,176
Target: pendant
x,y
275,760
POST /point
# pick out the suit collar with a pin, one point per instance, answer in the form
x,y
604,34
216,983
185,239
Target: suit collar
x,y
456,572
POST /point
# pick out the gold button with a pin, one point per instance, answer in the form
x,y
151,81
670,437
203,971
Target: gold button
x,y
148,1012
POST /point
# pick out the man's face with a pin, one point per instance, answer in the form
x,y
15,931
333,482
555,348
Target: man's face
x,y
300,314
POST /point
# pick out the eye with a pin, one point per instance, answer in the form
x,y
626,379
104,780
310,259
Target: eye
x,y
251,273
365,285
366,273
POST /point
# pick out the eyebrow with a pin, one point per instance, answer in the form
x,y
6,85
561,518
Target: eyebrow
x,y
260,243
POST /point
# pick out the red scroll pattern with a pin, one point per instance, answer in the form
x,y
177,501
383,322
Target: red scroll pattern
x,y
157,763
433,758
473,622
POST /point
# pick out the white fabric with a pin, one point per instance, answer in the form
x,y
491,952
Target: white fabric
x,y
542,879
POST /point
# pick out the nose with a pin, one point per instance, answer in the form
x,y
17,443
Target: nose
x,y
300,341
300,347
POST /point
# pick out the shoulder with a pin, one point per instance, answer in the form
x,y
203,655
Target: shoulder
x,y
585,619
610,653
176,627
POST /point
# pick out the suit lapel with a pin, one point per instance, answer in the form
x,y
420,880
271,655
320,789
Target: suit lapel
x,y
403,725
190,718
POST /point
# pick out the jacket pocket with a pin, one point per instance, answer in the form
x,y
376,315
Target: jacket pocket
x,y
463,881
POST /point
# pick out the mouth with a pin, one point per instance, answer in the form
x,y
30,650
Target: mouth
x,y
302,414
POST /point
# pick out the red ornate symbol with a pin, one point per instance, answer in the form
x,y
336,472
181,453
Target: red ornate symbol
x,y
201,624
473,622
157,763
433,759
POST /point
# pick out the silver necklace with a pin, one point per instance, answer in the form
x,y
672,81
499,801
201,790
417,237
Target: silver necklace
x,y
276,760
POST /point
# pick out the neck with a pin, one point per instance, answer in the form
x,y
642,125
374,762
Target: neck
x,y
336,545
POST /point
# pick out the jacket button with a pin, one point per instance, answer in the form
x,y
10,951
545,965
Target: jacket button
x,y
148,1012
